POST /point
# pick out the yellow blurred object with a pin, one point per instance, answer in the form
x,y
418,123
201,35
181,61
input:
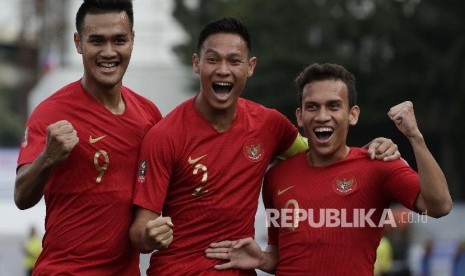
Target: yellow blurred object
x,y
32,250
383,257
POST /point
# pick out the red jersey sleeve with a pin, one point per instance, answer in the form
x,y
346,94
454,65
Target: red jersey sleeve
x,y
267,194
35,133
283,131
403,183
155,169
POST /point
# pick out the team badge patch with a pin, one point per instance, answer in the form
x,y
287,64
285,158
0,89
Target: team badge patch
x,y
142,171
344,185
253,149
25,138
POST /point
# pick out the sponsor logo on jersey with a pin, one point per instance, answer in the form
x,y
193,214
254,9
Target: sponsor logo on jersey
x,y
253,149
345,185
280,192
95,140
195,160
142,171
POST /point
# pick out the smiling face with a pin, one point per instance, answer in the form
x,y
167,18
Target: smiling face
x,y
224,66
105,43
325,117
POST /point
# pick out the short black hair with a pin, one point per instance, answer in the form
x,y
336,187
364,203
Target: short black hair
x,y
225,25
104,6
327,71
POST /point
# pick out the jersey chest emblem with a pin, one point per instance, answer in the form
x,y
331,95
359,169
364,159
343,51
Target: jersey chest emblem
x,y
253,149
344,185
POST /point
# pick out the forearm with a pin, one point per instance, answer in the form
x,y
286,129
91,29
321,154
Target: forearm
x,y
139,232
30,182
140,239
435,195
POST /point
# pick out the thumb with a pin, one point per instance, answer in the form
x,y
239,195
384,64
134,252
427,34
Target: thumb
x,y
223,266
242,243
169,222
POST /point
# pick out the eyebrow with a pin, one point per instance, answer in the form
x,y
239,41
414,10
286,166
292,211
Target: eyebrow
x,y
116,35
325,103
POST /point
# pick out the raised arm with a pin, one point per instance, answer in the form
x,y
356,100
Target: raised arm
x,y
434,198
31,178
243,254
149,231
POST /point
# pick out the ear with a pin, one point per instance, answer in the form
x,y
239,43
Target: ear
x,y
195,63
252,64
133,35
298,115
77,43
354,112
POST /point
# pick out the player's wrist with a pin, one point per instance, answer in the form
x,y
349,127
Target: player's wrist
x,y
417,137
265,262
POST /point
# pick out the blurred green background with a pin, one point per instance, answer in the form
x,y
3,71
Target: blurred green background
x,y
397,49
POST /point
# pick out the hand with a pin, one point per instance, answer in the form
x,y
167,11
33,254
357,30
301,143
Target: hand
x,y
61,139
404,118
383,149
242,254
160,231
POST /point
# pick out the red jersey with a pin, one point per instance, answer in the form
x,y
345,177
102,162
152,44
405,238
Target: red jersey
x,y
208,182
89,196
342,207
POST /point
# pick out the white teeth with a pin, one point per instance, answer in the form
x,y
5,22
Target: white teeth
x,y
323,129
108,65
223,83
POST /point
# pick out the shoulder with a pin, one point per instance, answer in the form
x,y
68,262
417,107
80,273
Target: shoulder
x,y
269,118
255,108
356,152
173,123
127,92
360,155
138,99
291,164
141,105
60,99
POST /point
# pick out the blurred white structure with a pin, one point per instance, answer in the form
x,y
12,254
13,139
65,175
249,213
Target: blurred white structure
x,y
154,72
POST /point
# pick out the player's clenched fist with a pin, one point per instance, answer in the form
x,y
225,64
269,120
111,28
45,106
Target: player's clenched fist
x,y
404,118
61,139
159,230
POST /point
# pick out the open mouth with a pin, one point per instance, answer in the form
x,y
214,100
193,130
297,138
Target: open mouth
x,y
323,133
107,65
222,88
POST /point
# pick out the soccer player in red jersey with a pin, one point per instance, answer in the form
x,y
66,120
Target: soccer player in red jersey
x,y
80,151
335,200
203,164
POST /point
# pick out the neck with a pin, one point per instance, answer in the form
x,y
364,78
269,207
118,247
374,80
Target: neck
x,y
316,159
220,119
109,97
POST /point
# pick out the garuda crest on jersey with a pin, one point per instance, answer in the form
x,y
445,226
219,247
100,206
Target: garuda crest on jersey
x,y
345,185
253,149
